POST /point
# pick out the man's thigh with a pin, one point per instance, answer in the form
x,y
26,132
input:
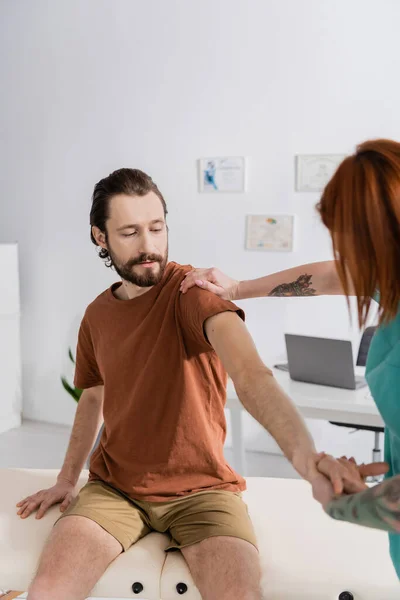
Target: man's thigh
x,y
112,511
198,517
215,534
225,568
75,556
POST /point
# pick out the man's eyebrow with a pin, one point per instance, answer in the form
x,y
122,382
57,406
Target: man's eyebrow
x,y
137,226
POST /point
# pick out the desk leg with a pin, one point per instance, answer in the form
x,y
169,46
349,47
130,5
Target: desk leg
x,y
376,457
239,457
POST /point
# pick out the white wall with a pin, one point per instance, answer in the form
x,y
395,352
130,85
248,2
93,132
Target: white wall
x,y
88,87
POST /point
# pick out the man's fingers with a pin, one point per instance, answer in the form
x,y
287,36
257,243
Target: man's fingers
x,y
332,470
66,503
352,480
30,507
32,498
373,469
336,481
44,507
22,508
24,501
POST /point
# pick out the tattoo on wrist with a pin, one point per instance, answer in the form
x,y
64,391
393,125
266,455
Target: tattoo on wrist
x,y
301,287
378,507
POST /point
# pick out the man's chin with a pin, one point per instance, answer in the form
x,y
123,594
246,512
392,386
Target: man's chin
x,y
145,277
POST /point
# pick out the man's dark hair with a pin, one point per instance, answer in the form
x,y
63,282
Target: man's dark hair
x,y
123,181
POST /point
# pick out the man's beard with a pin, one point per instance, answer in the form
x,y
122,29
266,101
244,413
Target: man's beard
x,y
150,277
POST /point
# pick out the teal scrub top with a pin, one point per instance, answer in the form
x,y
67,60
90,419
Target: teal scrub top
x,y
383,376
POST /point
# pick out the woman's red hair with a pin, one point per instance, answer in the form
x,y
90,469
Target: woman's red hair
x,y
361,208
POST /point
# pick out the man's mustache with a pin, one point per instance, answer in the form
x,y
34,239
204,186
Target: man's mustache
x,y
144,258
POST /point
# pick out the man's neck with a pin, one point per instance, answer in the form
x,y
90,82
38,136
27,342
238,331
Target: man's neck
x,y
128,291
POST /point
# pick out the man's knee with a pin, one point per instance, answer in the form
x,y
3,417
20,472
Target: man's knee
x,y
251,590
43,588
238,594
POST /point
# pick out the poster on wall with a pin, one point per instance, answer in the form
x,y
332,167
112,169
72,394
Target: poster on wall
x,y
224,174
274,233
313,171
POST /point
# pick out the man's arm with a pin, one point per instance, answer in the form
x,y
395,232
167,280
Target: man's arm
x,y
265,400
209,321
377,507
314,279
259,392
88,420
87,423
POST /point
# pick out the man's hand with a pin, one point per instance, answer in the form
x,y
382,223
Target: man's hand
x,y
322,490
63,492
336,477
212,280
347,471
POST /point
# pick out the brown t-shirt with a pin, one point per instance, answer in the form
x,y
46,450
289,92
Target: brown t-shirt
x,y
164,391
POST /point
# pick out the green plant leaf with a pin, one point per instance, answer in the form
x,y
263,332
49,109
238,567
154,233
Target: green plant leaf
x,y
71,356
76,393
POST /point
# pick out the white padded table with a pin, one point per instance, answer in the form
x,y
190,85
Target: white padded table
x,y
304,554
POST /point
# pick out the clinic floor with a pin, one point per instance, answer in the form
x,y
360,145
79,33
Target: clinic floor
x,y
38,445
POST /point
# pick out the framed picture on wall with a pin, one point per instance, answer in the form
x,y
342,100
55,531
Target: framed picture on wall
x,y
313,171
273,233
224,174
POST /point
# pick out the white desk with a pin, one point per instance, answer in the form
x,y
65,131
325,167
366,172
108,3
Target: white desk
x,y
313,402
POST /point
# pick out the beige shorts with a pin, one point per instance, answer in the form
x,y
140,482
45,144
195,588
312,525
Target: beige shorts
x,y
188,520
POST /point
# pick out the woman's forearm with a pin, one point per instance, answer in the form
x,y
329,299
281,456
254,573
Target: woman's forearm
x,y
314,279
378,507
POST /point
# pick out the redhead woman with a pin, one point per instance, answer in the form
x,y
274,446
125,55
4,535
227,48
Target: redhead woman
x,y
360,206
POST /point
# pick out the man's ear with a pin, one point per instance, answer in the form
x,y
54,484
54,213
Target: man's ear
x,y
100,237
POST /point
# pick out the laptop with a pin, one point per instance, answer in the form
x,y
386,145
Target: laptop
x,y
321,361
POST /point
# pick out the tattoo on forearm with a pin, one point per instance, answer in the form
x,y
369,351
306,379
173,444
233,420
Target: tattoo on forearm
x,y
301,287
377,507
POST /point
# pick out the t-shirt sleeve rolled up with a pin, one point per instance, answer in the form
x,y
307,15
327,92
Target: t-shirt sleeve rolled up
x,y
87,372
196,306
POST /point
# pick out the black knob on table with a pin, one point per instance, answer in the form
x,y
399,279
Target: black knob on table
x,y
346,596
181,588
137,587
